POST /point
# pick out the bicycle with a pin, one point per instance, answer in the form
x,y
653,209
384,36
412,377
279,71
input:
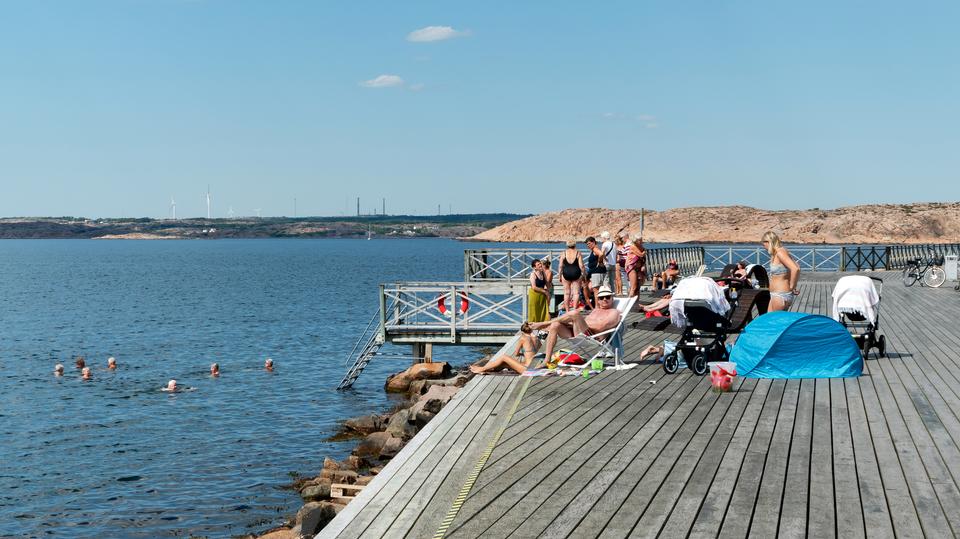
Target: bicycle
x,y
929,272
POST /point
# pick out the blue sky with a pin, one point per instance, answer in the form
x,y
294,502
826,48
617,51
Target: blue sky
x,y
109,108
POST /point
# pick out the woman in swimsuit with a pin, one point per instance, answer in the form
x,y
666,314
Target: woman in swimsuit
x,y
784,273
636,266
622,250
571,271
538,299
528,344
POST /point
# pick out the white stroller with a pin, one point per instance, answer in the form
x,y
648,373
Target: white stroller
x,y
856,305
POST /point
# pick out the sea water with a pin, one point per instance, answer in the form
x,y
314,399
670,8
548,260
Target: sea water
x,y
117,457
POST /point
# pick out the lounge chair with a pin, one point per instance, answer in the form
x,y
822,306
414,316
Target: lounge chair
x,y
605,344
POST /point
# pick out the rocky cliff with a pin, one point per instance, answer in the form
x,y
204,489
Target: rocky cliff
x,y
933,222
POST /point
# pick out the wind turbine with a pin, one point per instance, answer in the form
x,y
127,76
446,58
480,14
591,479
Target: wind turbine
x,y
230,212
173,208
208,201
258,212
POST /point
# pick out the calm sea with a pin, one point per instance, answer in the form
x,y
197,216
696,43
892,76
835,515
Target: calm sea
x,y
115,456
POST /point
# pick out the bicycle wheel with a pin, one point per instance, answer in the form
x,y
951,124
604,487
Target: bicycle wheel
x,y
934,277
909,275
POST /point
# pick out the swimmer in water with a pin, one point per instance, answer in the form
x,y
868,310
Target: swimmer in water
x,y
214,369
58,370
268,365
112,363
171,386
86,373
81,363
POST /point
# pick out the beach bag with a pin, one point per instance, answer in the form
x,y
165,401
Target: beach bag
x,y
567,357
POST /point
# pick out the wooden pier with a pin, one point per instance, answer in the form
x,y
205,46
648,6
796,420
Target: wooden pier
x,y
639,453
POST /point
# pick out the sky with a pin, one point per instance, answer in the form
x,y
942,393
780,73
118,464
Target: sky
x,y
110,108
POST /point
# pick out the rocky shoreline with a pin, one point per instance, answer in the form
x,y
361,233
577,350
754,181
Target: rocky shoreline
x,y
428,388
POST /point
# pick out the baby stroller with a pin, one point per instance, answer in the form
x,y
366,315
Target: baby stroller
x,y
695,306
856,305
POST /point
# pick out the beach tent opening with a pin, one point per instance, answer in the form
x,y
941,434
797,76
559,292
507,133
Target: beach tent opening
x,y
796,345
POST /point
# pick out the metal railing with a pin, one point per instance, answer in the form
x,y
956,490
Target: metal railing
x,y
450,309
898,255
513,265
808,258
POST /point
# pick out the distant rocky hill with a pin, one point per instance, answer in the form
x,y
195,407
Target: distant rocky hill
x,y
932,222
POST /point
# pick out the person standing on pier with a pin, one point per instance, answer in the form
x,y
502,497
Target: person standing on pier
x,y
538,297
610,260
571,271
636,265
784,273
596,271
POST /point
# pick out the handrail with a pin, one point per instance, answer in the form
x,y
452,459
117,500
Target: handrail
x,y
453,307
510,265
898,255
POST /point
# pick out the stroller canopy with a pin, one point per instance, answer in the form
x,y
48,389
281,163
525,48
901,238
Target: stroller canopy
x,y
856,294
796,345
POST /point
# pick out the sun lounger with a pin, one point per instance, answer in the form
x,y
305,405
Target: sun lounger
x,y
606,344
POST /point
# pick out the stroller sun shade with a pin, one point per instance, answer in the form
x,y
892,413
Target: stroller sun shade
x,y
697,288
856,294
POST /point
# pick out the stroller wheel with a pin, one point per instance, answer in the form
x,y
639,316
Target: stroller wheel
x,y
882,345
670,363
699,364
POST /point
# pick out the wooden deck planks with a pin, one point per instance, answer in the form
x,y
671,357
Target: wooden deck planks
x,y
617,456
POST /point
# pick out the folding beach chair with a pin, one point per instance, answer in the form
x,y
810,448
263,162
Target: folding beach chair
x,y
605,344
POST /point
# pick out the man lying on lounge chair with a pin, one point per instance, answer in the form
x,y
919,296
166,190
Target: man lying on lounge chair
x,y
601,319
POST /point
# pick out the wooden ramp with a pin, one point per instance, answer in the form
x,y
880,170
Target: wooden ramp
x,y
639,453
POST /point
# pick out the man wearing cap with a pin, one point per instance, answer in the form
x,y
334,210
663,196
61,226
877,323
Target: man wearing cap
x,y
601,319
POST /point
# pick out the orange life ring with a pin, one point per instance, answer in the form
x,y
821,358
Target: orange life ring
x,y
464,303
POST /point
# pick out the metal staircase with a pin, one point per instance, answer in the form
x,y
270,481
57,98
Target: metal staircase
x,y
363,351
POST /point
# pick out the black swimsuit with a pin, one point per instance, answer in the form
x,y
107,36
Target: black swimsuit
x,y
569,270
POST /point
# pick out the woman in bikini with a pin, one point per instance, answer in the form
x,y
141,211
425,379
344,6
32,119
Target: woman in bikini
x,y
571,272
784,273
528,345
538,297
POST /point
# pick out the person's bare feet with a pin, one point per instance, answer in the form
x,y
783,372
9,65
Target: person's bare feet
x,y
476,369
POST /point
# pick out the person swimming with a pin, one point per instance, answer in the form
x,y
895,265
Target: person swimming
x,y
214,369
268,365
58,370
86,374
112,363
171,386
80,362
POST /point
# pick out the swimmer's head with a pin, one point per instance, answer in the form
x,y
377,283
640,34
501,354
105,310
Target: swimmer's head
x,y
81,363
172,385
214,369
58,370
268,364
86,373
111,362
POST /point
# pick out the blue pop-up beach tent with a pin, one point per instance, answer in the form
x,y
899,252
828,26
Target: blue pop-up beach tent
x,y
796,345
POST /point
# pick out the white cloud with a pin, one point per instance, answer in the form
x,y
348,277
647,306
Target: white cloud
x,y
652,125
435,33
383,81
416,87
646,118
608,115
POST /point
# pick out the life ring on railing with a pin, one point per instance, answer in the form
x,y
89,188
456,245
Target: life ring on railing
x,y
464,304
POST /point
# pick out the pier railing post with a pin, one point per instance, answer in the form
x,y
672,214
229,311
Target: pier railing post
x,y
383,314
454,309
